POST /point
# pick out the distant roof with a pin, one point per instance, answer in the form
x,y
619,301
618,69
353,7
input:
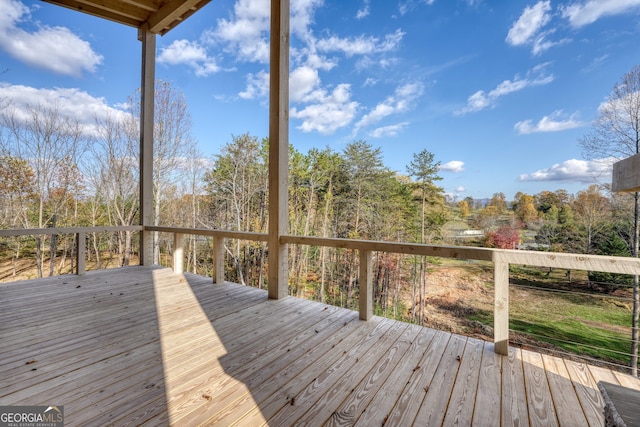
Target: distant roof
x,y
160,15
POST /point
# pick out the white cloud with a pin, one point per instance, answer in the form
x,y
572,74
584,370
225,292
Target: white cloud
x,y
551,123
319,62
407,5
190,53
587,12
533,19
246,33
243,36
370,81
71,102
460,189
257,86
302,16
53,48
612,105
361,45
529,29
364,12
388,131
482,100
399,102
542,44
327,112
302,82
454,166
573,170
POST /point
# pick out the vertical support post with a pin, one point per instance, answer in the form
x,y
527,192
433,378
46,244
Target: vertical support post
x,y
81,254
218,259
365,283
501,308
147,89
278,148
178,253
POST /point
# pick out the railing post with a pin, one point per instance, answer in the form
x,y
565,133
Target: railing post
x,y
178,253
148,70
81,253
501,308
278,148
218,259
365,283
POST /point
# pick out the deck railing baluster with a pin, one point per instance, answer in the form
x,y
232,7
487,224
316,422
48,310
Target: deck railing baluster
x,y
81,253
178,253
218,259
501,308
365,284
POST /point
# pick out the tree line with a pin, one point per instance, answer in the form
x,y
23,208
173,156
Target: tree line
x,y
53,173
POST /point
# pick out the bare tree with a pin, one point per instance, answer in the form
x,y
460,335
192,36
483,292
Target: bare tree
x,y
114,175
616,133
51,143
186,208
172,143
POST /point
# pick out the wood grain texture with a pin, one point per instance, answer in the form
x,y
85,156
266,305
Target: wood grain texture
x,y
145,346
559,384
488,398
587,392
541,409
514,410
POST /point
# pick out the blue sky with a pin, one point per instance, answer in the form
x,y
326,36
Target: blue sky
x,y
499,91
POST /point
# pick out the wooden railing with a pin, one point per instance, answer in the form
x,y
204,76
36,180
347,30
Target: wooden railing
x,y
81,238
218,245
501,259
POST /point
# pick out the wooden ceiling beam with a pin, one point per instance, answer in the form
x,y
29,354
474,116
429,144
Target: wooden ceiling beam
x,y
157,15
117,8
150,5
92,9
172,13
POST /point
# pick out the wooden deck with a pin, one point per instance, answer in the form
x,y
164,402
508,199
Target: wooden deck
x,y
146,346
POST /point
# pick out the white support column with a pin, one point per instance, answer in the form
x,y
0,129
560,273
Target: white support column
x,y
81,254
365,282
148,40
501,308
218,259
178,253
278,148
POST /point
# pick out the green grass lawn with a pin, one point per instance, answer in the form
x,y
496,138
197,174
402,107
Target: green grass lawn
x,y
593,324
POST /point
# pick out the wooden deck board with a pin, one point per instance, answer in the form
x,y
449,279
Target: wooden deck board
x,y
360,397
389,393
463,397
541,409
514,408
144,346
488,399
559,383
409,401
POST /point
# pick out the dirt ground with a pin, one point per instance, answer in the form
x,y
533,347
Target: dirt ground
x,y
453,294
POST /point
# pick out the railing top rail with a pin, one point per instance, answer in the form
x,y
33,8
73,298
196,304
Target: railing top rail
x,y
461,252
67,230
604,263
241,235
